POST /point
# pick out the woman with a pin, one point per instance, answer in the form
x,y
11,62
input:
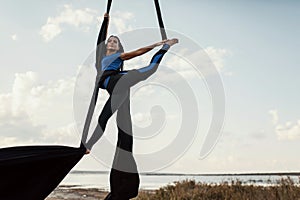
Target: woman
x,y
124,178
112,71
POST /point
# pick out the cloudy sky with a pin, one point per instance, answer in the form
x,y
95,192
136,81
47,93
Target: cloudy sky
x,y
253,45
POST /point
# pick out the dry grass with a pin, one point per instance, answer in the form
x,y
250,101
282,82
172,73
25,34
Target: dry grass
x,y
285,189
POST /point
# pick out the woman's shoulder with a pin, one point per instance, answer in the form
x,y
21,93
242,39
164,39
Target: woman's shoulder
x,y
113,55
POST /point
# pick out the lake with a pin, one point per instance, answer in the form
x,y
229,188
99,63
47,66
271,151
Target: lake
x,y
150,181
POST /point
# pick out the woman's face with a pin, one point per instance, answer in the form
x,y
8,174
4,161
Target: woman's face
x,y
112,44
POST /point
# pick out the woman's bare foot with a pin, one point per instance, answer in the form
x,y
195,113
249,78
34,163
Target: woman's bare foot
x,y
171,42
87,151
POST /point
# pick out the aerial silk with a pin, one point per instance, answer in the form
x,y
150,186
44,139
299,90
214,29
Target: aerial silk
x,y
160,21
99,51
33,172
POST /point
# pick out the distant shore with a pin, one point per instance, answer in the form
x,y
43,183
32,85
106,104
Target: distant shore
x,y
204,174
285,188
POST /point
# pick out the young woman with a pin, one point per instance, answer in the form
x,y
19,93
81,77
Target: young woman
x,y
112,72
124,177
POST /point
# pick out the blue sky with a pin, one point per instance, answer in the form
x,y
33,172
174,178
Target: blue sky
x,y
255,45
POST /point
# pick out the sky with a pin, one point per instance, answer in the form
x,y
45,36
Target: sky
x,y
254,46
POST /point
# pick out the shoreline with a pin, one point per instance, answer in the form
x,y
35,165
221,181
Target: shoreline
x,y
76,192
291,173
285,188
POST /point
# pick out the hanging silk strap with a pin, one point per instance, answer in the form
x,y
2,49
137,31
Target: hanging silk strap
x,y
108,6
99,54
160,21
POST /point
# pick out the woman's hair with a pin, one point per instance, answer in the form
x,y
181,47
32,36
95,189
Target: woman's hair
x,y
121,48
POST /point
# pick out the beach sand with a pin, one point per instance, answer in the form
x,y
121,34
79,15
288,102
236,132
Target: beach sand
x,y
75,193
286,189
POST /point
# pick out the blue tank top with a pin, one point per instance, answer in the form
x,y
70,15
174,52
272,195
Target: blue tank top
x,y
112,62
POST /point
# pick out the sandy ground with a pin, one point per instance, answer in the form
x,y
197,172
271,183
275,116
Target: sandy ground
x,y
76,193
73,193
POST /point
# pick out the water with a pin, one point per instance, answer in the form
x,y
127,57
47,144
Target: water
x,y
85,179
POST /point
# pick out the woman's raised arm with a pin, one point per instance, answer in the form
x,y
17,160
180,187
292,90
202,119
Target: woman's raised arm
x,y
103,30
141,51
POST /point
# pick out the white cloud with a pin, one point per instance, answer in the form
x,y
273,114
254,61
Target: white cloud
x,y
14,37
83,19
285,131
5,104
49,31
288,131
217,56
209,61
37,100
119,21
22,85
275,117
66,134
80,18
37,113
7,141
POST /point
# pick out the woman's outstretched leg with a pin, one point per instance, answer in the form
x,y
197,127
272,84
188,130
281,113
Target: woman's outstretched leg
x,y
132,77
112,104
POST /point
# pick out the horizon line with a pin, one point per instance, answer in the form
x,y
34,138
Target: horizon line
x,y
197,174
